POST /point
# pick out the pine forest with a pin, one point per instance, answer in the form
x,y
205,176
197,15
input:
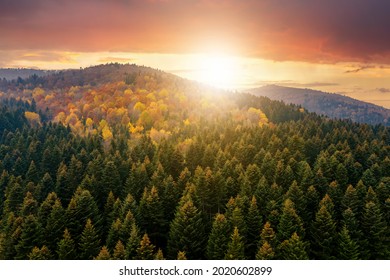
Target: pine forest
x,y
128,162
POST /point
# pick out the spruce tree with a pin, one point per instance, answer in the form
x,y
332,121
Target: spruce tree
x,y
236,247
66,247
265,252
181,256
31,236
119,251
289,222
323,234
187,232
218,238
159,255
89,242
348,249
253,223
55,226
374,231
40,253
293,249
104,254
145,250
133,242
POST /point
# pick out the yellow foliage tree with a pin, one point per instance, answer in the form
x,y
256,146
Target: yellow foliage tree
x,y
32,117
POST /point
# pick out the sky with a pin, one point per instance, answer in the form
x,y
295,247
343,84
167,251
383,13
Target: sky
x,y
338,46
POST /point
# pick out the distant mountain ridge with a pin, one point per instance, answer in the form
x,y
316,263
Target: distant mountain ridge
x,y
14,73
329,104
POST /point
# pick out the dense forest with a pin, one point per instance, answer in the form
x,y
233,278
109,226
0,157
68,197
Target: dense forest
x,y
126,162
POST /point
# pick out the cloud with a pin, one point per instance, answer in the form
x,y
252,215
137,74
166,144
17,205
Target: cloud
x,y
303,30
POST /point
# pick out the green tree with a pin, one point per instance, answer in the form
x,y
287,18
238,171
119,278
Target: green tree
x,y
348,249
323,233
187,232
253,224
40,253
133,242
218,238
265,252
374,231
66,247
31,236
145,250
289,222
104,254
89,242
293,249
236,247
119,251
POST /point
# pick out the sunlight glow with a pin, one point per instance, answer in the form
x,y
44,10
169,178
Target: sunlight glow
x,y
219,71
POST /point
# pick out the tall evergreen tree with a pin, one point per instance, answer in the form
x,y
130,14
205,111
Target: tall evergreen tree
x,y
374,231
31,236
348,249
289,222
293,249
145,250
187,232
323,234
89,242
66,249
218,238
236,247
253,224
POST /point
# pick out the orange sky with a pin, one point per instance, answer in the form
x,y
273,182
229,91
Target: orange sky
x,y
334,45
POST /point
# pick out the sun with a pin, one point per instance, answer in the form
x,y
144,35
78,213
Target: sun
x,y
219,71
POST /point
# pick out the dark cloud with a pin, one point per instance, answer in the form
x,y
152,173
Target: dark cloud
x,y
304,30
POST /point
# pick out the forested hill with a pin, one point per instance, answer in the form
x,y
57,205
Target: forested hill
x,y
332,105
140,164
22,73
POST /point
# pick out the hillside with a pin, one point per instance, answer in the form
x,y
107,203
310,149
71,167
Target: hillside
x,y
332,105
128,162
13,74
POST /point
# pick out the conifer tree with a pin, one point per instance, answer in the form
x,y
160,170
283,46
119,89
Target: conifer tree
x,y
151,215
31,236
55,225
323,233
181,256
104,254
114,235
119,251
47,185
218,239
133,242
265,252
348,249
145,250
351,199
89,242
289,222
374,231
293,249
29,206
32,173
159,255
66,247
187,232
40,254
236,247
253,223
